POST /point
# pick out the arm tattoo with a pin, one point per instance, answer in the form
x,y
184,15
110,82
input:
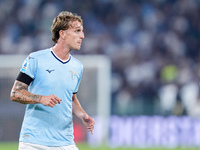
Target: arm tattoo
x,y
21,94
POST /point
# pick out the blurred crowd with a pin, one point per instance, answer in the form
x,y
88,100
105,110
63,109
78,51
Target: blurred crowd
x,y
153,46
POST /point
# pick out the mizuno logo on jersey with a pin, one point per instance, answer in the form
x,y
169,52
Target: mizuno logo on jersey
x,y
73,74
49,71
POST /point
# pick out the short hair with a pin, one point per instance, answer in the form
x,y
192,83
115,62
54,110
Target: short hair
x,y
63,22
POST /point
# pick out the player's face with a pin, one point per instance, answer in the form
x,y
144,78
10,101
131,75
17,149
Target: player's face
x,y
74,36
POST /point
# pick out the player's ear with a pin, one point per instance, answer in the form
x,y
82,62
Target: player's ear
x,y
62,34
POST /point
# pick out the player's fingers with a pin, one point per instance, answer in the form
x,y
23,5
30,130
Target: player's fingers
x,y
90,130
91,127
53,101
58,100
51,104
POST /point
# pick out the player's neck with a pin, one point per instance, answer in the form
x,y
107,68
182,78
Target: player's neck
x,y
61,52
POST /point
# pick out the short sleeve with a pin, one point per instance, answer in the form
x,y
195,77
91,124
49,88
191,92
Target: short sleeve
x,y
29,66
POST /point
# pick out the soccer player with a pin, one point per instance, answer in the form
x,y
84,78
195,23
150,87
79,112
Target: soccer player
x,y
48,82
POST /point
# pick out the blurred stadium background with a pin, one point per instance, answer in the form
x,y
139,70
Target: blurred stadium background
x,y
141,77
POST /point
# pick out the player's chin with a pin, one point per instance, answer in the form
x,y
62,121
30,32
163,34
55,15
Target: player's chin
x,y
78,48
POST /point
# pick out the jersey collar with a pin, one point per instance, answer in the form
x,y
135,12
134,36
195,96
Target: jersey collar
x,y
62,61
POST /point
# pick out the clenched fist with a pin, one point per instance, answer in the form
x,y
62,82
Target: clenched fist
x,y
50,100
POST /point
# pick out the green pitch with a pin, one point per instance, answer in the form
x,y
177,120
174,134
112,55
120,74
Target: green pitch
x,y
13,146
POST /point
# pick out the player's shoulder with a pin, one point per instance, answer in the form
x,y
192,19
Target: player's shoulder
x,y
76,61
40,53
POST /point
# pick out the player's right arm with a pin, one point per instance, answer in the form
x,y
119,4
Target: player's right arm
x,y
20,94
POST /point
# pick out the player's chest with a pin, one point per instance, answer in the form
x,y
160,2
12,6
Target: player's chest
x,y
62,76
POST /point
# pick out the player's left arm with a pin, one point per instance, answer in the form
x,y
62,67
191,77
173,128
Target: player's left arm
x,y
78,111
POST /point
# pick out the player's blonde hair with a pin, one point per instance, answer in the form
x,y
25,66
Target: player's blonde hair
x,y
63,22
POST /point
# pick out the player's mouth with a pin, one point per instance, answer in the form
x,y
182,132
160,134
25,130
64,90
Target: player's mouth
x,y
79,43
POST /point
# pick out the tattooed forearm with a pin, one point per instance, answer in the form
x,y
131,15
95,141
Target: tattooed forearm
x,y
21,100
21,86
20,94
35,98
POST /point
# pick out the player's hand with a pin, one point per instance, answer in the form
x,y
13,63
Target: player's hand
x,y
50,100
89,123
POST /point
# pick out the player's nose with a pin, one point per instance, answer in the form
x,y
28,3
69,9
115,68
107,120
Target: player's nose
x,y
82,35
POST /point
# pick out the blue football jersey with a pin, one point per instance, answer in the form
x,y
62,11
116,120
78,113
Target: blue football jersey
x,y
42,124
